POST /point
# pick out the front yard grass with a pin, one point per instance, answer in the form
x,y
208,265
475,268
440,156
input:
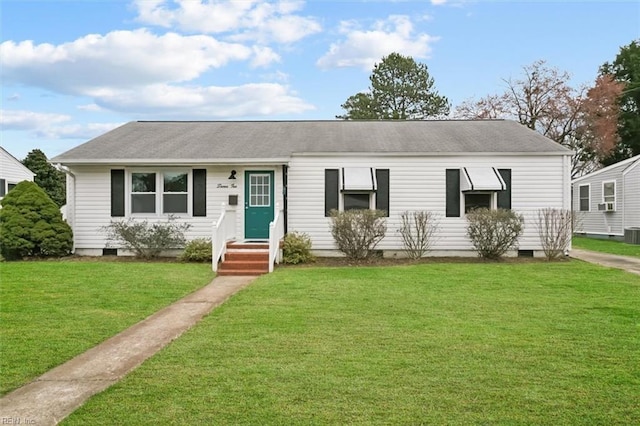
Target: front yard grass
x,y
51,311
481,343
606,246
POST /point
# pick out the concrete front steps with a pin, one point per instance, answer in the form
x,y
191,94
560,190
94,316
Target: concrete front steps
x,y
245,258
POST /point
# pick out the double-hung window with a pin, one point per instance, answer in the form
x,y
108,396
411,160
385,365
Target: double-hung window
x,y
143,192
165,192
175,193
609,192
584,194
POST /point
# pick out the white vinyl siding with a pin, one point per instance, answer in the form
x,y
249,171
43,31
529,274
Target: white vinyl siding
x,y
12,171
90,203
418,183
631,194
595,221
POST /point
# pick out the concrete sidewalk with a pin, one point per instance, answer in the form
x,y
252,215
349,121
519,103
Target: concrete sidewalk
x,y
56,394
627,263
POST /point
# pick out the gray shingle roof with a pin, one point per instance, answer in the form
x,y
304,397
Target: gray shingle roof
x,y
204,141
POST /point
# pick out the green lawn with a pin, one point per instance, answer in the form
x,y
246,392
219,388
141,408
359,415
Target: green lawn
x,y
482,343
51,311
606,246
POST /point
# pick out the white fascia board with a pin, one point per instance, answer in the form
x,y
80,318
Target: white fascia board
x,y
633,166
177,162
608,168
430,154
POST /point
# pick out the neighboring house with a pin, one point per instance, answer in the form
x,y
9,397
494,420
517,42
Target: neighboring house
x,y
608,200
12,172
150,170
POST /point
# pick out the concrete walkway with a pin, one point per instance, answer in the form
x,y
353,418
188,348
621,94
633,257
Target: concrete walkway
x,y
627,263
56,394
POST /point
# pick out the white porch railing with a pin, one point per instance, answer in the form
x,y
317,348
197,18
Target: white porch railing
x,y
276,233
223,231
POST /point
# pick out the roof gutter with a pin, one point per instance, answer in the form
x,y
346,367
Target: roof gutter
x,y
175,162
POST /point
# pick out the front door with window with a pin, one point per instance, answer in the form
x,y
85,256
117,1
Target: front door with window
x,y
258,204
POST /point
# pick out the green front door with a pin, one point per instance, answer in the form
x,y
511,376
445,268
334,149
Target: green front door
x,y
258,204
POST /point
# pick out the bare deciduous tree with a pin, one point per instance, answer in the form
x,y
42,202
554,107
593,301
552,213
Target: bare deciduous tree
x,y
543,100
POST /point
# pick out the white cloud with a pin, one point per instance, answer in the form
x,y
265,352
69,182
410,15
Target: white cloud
x,y
51,126
165,101
121,59
76,131
263,56
90,108
363,48
29,120
438,2
260,20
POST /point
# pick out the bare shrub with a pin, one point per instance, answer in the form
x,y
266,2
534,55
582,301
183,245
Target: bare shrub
x,y
144,239
555,228
357,232
493,232
418,230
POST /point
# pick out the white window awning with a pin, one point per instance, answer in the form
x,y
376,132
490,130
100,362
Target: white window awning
x,y
481,179
358,179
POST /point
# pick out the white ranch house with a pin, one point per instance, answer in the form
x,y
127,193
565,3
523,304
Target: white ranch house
x,y
12,172
608,201
297,171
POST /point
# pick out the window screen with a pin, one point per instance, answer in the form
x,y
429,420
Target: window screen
x,y
356,201
476,201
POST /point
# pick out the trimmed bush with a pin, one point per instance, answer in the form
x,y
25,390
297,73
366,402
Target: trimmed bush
x,y
198,250
418,230
493,232
147,240
357,232
296,248
31,224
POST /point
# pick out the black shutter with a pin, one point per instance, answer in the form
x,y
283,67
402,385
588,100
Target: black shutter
x,y
199,192
382,193
453,193
331,182
504,197
3,189
117,193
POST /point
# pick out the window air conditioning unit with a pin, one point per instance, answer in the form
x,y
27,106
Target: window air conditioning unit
x,y
607,207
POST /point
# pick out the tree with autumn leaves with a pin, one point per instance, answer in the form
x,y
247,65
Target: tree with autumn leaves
x,y
584,119
601,123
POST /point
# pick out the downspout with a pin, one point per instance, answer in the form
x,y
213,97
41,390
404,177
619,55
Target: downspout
x,y
70,207
624,191
567,199
285,170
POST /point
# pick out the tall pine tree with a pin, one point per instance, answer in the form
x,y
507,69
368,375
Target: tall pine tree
x,y
401,89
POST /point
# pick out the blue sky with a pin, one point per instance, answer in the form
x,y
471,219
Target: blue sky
x,y
72,70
